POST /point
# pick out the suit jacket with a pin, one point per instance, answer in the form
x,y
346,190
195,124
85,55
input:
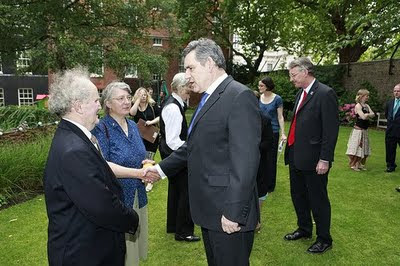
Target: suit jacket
x,y
87,218
222,156
393,123
317,128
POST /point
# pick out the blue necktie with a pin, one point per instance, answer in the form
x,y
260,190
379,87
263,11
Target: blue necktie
x,y
396,107
202,102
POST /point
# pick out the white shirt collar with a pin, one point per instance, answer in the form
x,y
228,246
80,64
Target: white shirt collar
x,y
309,86
84,129
216,83
178,98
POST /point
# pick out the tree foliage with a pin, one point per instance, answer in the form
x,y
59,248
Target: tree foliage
x,y
326,30
348,28
258,24
64,33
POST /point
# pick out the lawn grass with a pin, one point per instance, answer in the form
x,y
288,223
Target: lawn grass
x,y
365,221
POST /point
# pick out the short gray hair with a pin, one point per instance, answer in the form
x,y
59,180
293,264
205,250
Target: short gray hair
x,y
303,63
68,86
205,48
178,82
108,93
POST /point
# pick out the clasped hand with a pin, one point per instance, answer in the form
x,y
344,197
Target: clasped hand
x,y
150,173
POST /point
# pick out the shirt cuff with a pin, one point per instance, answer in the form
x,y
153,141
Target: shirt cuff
x,y
160,172
319,159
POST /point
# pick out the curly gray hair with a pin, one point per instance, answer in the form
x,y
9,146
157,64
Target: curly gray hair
x,y
108,93
68,86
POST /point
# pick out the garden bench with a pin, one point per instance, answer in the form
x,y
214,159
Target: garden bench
x,y
381,122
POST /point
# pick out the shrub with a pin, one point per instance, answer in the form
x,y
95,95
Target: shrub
x,y
347,114
22,164
12,116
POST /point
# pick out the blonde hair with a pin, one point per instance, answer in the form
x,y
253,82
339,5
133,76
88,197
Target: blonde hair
x,y
149,100
360,94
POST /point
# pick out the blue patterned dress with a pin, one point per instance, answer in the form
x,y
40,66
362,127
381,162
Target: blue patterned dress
x,y
125,151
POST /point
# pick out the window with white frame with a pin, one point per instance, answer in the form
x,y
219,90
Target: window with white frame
x,y
181,67
156,76
96,67
269,67
157,41
25,96
1,97
24,61
131,71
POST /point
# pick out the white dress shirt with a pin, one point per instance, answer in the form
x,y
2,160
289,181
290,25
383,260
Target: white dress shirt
x,y
172,117
307,90
84,129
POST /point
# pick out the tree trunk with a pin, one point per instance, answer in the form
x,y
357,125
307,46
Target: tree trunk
x,y
352,53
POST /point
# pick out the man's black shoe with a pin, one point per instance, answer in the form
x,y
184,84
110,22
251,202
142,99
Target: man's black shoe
x,y
389,170
297,235
398,189
191,238
319,247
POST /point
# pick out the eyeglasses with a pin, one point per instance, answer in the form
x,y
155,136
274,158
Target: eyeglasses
x,y
122,98
293,75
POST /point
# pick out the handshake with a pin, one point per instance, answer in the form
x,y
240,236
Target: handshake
x,y
149,173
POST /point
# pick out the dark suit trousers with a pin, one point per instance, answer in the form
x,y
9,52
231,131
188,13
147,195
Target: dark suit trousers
x,y
224,249
309,194
391,146
179,219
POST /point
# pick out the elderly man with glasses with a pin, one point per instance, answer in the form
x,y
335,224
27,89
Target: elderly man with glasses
x,y
309,152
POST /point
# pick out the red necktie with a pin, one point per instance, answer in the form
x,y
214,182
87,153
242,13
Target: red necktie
x,y
293,127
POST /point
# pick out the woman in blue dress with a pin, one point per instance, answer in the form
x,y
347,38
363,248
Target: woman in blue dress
x,y
123,148
271,106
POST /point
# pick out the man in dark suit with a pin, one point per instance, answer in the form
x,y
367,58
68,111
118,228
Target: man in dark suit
x,y
87,218
392,136
309,152
222,156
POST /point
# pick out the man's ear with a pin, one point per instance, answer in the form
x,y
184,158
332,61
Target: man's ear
x,y
77,106
210,63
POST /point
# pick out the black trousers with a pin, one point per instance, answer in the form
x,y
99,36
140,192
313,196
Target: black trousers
x,y
391,146
179,219
310,195
224,249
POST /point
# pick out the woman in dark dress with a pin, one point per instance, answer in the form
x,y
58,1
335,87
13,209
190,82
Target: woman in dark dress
x,y
145,108
266,153
271,104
